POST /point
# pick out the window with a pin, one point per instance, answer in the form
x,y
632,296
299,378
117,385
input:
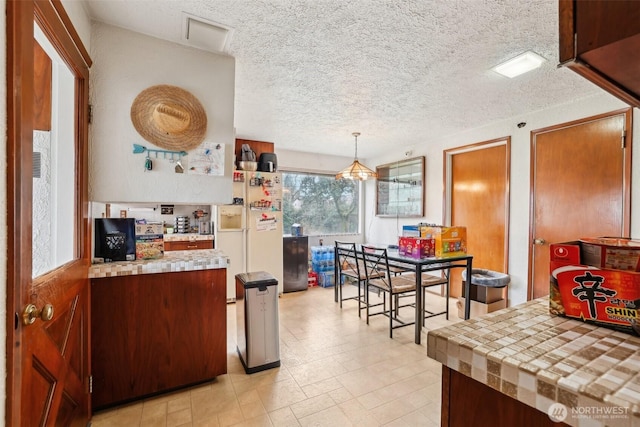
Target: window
x,y
320,203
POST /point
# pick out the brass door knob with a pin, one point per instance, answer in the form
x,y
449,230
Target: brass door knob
x,y
31,313
539,241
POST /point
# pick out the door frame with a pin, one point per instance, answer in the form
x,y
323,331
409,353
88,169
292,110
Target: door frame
x,y
52,18
448,184
626,181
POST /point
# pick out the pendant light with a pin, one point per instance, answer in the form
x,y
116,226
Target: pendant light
x,y
356,170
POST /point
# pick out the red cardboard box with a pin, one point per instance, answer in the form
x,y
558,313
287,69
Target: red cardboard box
x,y
416,247
611,252
605,297
448,241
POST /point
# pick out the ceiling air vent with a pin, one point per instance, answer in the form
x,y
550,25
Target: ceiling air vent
x,y
205,34
37,164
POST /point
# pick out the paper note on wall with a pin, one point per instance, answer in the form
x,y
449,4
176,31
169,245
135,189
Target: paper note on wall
x,y
207,159
265,223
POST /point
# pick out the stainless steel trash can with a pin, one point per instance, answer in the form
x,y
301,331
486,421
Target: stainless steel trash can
x,y
257,321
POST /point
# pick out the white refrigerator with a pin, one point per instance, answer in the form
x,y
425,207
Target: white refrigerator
x,y
249,231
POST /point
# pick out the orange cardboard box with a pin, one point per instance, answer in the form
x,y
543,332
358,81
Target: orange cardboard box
x,y
602,296
448,241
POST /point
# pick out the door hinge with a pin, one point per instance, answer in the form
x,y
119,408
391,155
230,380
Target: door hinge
x,y
90,384
89,113
624,138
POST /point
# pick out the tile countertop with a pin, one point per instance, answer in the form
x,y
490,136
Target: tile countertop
x,y
172,261
186,237
540,359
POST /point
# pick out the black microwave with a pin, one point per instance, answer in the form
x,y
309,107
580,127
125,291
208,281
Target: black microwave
x,y
115,239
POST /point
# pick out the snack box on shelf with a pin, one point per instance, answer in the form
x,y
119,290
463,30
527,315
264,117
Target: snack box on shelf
x,y
603,296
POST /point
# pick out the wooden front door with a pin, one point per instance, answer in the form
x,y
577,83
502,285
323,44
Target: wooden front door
x,y
479,194
48,372
580,186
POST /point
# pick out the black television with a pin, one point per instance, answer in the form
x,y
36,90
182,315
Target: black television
x,y
115,239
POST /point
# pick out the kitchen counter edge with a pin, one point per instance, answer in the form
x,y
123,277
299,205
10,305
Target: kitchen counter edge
x,y
171,262
540,359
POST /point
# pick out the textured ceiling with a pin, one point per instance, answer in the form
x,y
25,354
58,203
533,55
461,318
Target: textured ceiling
x,y
402,72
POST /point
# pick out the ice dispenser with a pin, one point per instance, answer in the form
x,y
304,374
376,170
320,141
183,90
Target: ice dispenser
x,y
230,217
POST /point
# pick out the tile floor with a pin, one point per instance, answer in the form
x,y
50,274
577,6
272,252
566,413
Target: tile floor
x,y
336,371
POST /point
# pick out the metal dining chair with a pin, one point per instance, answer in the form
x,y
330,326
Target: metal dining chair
x,y
430,280
349,266
379,276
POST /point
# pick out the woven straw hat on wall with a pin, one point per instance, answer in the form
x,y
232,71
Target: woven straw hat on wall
x,y
169,117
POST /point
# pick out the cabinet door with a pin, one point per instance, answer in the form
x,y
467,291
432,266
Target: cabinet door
x,y
156,332
599,40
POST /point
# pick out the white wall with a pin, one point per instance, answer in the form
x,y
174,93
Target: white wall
x,y
387,229
126,63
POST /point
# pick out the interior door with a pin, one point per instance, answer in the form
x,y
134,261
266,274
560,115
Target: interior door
x,y
580,186
479,200
48,372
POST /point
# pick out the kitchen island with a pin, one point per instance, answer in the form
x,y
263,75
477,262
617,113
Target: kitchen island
x,y
517,365
157,325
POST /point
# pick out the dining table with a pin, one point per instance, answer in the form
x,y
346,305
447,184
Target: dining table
x,y
424,265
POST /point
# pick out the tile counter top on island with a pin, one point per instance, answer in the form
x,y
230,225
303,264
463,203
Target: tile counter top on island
x,y
174,261
523,366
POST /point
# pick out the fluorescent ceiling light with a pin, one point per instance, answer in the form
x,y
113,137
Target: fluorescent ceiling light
x,y
521,64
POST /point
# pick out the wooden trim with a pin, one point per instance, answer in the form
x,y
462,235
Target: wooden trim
x,y
602,81
19,145
446,208
50,16
73,34
567,31
446,396
626,214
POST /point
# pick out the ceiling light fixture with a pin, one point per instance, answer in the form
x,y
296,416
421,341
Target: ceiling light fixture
x,y
521,64
356,170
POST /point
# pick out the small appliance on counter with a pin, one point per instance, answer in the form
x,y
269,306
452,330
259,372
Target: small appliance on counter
x,y
296,230
268,162
114,239
205,227
182,224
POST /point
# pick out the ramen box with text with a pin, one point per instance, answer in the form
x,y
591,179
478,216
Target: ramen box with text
x,y
602,296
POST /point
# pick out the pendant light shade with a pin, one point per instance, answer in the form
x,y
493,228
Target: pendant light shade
x,y
356,170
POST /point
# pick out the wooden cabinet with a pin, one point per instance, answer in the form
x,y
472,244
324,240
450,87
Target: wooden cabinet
x,y
183,245
156,332
467,402
600,40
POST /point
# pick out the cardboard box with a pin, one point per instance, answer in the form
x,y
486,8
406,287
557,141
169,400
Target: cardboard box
x,y
611,252
602,296
410,231
484,294
416,247
149,241
479,308
448,241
